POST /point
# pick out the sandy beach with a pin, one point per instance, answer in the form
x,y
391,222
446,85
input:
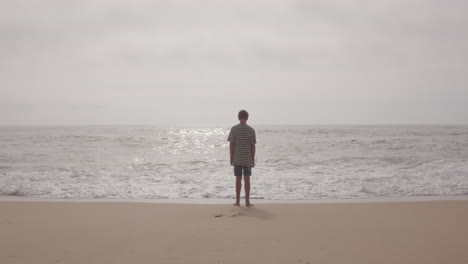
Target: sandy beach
x,y
122,232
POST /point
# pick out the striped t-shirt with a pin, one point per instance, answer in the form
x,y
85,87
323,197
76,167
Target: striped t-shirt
x,y
243,136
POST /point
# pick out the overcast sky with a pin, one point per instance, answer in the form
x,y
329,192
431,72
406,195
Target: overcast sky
x,y
199,62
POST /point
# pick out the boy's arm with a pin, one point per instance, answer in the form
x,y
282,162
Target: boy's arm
x,y
231,152
252,150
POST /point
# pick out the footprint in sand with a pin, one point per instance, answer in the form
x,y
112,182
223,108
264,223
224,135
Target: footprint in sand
x,y
233,212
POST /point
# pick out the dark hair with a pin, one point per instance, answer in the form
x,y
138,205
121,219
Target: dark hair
x,y
243,114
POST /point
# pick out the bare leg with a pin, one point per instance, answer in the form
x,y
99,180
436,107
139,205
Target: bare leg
x,y
247,190
238,189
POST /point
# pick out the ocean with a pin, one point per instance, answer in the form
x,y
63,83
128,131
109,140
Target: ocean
x,y
293,162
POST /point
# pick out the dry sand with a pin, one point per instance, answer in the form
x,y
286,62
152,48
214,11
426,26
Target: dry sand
x,y
71,232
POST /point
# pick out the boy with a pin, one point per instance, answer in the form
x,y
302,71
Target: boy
x,y
242,153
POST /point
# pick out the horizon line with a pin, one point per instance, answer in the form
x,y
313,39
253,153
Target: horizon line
x,y
230,124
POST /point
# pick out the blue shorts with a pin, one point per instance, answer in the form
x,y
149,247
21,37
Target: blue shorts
x,y
239,169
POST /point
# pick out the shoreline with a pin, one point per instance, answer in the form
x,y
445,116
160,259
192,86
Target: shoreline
x,y
13,198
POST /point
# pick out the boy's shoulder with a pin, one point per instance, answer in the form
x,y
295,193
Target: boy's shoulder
x,y
243,126
249,127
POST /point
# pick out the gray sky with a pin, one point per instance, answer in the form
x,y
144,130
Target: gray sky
x,y
199,62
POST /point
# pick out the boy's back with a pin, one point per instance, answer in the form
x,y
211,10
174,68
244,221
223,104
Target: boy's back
x,y
243,136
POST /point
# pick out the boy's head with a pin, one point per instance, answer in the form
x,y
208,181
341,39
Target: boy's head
x,y
243,116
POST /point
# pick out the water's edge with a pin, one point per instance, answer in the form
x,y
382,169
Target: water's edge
x,y
5,198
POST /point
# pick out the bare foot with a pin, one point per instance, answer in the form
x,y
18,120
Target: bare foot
x,y
249,204
236,204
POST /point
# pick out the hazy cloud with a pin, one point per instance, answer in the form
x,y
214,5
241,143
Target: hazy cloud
x,y
195,62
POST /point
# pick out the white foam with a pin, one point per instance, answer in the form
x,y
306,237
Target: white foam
x,y
230,201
